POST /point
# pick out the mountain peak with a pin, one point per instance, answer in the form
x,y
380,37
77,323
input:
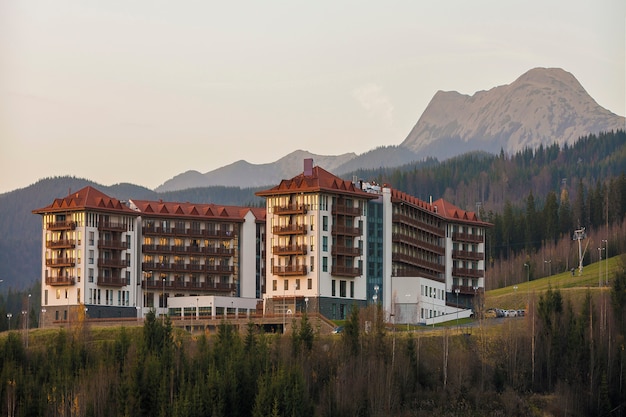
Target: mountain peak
x,y
544,105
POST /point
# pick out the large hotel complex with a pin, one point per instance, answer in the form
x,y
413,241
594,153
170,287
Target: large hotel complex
x,y
321,245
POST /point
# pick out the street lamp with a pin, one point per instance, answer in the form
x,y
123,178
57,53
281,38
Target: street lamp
x,y
9,315
528,280
25,315
43,313
27,320
600,266
606,263
163,301
306,304
456,291
549,262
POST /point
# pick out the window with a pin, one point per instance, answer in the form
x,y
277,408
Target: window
x,y
325,223
333,293
58,294
285,284
312,223
274,285
91,238
297,283
312,263
342,288
324,264
351,289
78,274
309,284
78,295
91,257
325,243
90,276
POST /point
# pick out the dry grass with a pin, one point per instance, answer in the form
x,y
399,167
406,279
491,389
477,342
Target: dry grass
x,y
573,288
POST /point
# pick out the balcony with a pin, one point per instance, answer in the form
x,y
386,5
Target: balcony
x,y
290,250
219,251
290,270
462,254
219,269
180,285
292,229
61,244
409,221
346,210
114,244
60,262
416,272
345,251
112,263
112,226
466,237
346,231
60,280
112,281
471,273
64,225
420,263
418,243
346,271
290,209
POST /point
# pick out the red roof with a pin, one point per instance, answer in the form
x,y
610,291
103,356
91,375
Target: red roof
x,y
86,198
149,208
397,195
451,212
320,180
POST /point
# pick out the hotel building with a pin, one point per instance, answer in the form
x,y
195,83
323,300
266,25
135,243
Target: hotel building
x,y
322,245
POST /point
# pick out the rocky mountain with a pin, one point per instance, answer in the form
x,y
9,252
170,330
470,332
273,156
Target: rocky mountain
x,y
543,106
246,175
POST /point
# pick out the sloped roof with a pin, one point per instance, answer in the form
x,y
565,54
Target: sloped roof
x,y
397,195
164,209
83,199
452,213
320,180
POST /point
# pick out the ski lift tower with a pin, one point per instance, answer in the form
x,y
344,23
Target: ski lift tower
x,y
580,235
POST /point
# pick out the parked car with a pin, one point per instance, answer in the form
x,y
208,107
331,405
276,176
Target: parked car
x,y
338,330
491,313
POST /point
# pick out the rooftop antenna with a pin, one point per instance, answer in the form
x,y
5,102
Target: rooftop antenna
x,y
580,235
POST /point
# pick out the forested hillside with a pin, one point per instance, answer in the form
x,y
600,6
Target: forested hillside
x,y
559,360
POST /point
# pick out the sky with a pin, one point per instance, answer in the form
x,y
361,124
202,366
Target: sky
x,y
139,91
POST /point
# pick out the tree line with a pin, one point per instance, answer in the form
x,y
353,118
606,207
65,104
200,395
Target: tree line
x,y
561,358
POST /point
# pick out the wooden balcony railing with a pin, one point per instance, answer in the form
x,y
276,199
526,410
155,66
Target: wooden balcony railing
x,y
112,263
60,280
290,209
289,270
290,250
114,244
345,230
61,244
112,226
462,254
346,210
466,237
464,272
421,263
65,225
409,221
346,271
291,229
60,262
112,281
413,241
345,251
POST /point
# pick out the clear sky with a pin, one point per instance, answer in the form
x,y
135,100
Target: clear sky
x,y
142,90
